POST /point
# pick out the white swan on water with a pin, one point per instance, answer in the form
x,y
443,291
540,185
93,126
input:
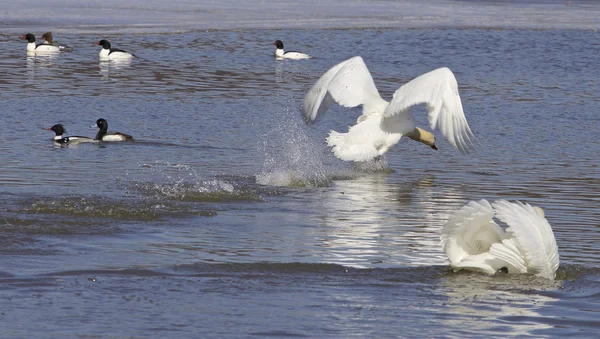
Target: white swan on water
x,y
473,241
383,123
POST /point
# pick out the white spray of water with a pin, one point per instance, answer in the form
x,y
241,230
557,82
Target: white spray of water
x,y
179,180
293,157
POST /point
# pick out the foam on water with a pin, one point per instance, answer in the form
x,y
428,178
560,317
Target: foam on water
x,y
53,211
183,183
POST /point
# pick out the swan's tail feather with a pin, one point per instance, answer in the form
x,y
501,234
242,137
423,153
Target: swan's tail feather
x,y
346,150
483,262
509,252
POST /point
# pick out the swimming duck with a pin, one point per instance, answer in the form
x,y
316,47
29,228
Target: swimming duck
x,y
103,134
280,54
41,48
108,53
59,137
47,40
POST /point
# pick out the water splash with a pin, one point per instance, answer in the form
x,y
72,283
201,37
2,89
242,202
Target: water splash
x,y
294,157
182,182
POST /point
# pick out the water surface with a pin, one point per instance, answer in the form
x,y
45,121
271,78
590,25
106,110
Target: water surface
x,y
228,216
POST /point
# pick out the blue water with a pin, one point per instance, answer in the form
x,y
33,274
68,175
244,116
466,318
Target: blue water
x,y
229,217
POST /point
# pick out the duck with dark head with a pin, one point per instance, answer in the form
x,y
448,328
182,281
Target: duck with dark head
x,y
103,134
59,137
41,48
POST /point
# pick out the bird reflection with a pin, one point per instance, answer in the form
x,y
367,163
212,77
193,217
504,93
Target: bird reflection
x,y
376,220
280,73
44,60
477,301
108,66
33,61
30,63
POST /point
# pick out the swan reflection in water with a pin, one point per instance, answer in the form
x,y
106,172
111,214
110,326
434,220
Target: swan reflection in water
x,y
373,221
476,302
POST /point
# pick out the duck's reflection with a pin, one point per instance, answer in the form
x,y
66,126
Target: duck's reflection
x,y
44,59
30,64
108,66
39,60
280,72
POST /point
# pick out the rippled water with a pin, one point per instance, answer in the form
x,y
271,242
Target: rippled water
x,y
229,217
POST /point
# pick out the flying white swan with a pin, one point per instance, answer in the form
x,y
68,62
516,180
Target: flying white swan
x,y
382,124
473,241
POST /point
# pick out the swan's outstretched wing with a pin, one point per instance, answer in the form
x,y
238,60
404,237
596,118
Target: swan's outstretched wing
x,y
439,90
470,231
348,83
533,235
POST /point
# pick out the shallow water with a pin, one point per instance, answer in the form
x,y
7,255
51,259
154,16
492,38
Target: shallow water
x,y
228,216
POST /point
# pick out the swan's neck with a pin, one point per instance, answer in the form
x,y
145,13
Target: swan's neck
x,y
421,135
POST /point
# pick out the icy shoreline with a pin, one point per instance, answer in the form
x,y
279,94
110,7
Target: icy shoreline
x,y
153,16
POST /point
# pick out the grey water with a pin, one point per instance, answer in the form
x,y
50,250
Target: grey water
x,y
228,216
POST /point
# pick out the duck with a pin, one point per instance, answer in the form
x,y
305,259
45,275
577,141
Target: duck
x,y
103,134
108,53
473,241
47,40
59,137
280,54
382,123
41,48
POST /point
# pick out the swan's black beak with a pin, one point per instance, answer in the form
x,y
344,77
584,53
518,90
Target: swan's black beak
x,y
434,147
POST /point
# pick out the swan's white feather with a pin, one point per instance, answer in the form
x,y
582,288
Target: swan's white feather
x,y
510,254
318,99
363,142
472,240
470,231
350,151
533,234
349,84
484,262
437,89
